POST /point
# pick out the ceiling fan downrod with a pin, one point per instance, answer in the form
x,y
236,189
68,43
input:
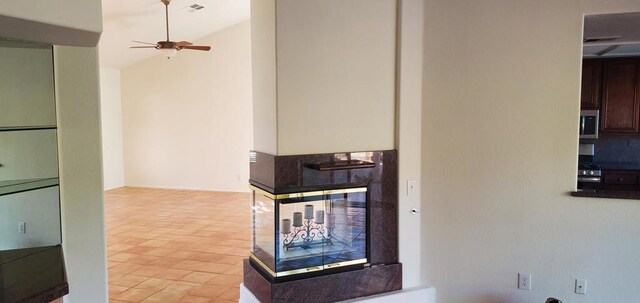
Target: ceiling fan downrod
x,y
166,15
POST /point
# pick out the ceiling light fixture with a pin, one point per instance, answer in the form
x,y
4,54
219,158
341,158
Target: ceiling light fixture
x,y
168,52
169,48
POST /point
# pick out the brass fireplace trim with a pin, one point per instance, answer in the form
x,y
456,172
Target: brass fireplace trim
x,y
305,270
308,193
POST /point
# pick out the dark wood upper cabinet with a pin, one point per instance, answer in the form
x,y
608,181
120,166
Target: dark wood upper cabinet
x,y
591,84
620,99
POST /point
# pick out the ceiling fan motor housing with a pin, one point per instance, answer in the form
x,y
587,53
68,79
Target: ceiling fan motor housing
x,y
167,44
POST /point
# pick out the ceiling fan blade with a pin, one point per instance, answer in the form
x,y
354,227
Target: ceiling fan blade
x,y
183,43
143,42
600,39
142,47
197,47
607,50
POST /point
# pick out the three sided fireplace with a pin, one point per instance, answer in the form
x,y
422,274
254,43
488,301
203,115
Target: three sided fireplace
x,y
325,224
314,231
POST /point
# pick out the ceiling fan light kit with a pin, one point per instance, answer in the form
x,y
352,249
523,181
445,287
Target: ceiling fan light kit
x,y
168,52
170,48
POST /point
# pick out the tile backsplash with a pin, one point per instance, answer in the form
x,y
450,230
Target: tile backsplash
x,y
619,150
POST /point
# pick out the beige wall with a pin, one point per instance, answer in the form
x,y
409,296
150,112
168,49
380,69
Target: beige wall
x,y
81,193
336,75
187,121
501,101
332,65
263,64
111,114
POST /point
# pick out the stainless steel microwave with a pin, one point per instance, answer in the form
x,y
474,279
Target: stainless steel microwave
x,y
589,124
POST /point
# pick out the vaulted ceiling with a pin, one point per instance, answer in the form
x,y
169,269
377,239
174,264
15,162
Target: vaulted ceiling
x,y
143,20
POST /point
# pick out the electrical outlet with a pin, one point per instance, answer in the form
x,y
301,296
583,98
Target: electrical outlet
x,y
524,281
581,286
22,227
238,178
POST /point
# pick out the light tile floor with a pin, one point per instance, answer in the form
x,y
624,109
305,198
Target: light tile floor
x,y
175,245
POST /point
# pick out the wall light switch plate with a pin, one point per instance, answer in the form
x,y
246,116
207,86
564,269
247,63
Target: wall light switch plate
x,y
524,281
22,227
581,286
412,186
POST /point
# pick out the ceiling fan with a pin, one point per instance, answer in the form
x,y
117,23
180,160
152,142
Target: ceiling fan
x,y
170,48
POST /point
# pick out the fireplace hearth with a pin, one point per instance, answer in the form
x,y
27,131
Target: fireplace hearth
x,y
323,221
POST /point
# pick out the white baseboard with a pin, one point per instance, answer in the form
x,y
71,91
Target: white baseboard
x,y
413,295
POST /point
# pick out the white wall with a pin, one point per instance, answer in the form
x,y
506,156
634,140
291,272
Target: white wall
x,y
408,138
187,121
26,89
111,110
63,22
39,210
501,101
78,115
81,192
77,14
29,154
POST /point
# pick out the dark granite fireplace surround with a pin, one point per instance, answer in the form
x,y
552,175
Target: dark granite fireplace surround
x,y
378,171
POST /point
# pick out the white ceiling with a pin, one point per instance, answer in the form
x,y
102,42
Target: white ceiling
x,y
625,26
143,20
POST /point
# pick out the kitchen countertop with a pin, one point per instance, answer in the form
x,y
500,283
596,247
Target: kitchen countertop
x,y
618,166
602,193
32,275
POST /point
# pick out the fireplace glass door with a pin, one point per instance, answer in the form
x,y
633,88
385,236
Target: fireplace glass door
x,y
309,231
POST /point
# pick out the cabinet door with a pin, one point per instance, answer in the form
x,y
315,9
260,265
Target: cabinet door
x,y
591,84
620,180
620,98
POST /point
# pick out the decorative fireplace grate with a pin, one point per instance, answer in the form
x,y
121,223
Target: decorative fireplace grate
x,y
309,231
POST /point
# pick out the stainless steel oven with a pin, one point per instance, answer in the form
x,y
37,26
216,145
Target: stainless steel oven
x,y
589,177
589,174
589,124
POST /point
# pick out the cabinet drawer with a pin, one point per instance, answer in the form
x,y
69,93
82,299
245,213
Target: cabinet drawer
x,y
621,179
